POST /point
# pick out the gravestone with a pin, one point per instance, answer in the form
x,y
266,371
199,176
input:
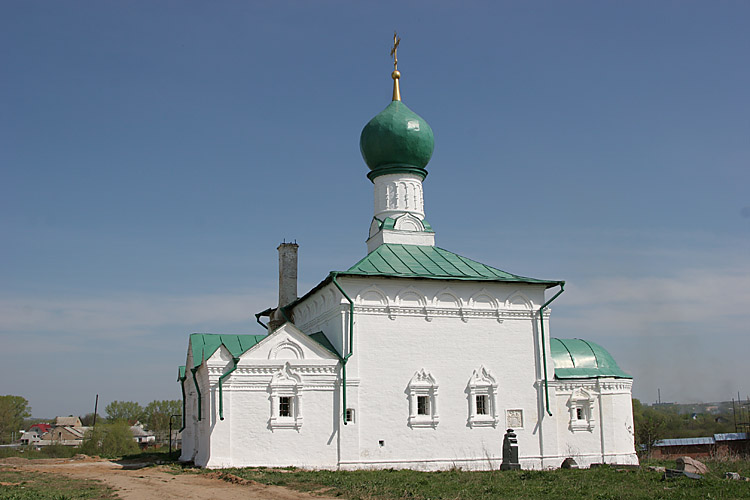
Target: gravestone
x,y
510,452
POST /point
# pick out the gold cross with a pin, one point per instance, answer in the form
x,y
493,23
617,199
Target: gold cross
x,y
396,41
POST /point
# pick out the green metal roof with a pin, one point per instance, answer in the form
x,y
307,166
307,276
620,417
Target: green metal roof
x,y
181,372
577,358
204,345
417,261
321,339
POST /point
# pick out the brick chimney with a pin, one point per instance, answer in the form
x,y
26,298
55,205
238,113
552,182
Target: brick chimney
x,y
287,282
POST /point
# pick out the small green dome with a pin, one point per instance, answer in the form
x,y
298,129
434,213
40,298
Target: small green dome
x,y
397,140
577,358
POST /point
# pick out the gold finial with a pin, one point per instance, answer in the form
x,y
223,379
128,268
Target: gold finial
x,y
396,74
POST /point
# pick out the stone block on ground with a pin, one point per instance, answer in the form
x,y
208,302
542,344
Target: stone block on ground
x,y
691,465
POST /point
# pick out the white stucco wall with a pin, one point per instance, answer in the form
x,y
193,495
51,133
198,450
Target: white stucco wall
x,y
446,331
403,326
608,436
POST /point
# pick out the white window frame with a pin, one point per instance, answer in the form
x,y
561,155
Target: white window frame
x,y
285,383
423,384
581,401
482,383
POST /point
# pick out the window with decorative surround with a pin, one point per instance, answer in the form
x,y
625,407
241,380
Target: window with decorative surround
x,y
581,407
482,399
423,391
285,399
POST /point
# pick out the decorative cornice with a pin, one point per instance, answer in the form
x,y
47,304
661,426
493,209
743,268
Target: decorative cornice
x,y
463,313
613,386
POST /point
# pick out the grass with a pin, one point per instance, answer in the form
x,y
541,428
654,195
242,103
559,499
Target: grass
x,y
51,451
61,451
24,485
602,483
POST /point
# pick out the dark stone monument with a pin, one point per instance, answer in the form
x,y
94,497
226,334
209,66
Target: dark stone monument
x,y
510,452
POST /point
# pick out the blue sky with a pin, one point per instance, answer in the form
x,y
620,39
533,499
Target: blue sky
x,y
154,154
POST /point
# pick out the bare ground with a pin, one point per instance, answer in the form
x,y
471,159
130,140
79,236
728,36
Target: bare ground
x,y
144,482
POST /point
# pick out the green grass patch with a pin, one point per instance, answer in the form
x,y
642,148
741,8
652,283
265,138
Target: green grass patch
x,y
601,483
24,485
151,455
51,451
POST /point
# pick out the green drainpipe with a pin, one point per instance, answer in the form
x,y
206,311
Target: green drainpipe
x,y
182,388
221,394
544,348
351,340
197,389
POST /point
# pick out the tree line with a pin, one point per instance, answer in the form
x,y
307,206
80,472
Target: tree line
x,y
654,423
154,416
15,414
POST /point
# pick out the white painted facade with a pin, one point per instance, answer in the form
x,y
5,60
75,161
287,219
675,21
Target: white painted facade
x,y
448,341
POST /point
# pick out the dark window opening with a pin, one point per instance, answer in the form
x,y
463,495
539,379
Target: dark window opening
x,y
285,406
423,405
482,405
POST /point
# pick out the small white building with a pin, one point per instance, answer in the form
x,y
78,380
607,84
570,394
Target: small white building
x,y
141,435
413,357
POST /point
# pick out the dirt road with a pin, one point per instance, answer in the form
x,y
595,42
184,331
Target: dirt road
x,y
142,482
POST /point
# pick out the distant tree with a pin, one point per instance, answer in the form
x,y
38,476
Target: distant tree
x,y
88,419
110,440
128,411
650,425
13,409
157,416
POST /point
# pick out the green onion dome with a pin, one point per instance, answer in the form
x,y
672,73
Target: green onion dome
x,y
396,141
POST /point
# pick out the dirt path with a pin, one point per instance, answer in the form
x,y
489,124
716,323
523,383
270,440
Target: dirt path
x,y
137,482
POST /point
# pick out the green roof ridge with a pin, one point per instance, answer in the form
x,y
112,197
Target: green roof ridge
x,y
419,261
204,345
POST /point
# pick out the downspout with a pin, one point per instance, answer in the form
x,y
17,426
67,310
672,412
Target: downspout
x,y
257,318
221,394
182,387
259,315
544,348
197,389
351,340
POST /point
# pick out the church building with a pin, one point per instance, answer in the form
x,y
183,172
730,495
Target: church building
x,y
413,357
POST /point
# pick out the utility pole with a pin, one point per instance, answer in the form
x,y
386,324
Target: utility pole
x,y
96,406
